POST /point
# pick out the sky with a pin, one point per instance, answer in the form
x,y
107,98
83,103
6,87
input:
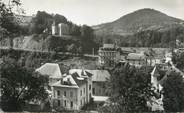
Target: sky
x,y
93,12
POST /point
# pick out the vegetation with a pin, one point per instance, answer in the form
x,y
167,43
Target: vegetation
x,y
173,91
178,60
129,89
142,28
20,85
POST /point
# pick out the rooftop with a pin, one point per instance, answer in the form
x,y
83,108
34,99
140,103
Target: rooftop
x,y
108,46
99,75
136,56
50,69
80,72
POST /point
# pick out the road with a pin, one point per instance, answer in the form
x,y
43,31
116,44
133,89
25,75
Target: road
x,y
61,53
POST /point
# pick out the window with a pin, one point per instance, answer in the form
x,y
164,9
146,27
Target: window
x,y
80,92
64,93
84,100
65,103
90,87
58,93
84,90
81,102
90,95
71,104
71,94
54,93
58,102
94,91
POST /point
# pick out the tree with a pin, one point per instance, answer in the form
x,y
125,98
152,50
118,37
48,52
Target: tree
x,y
72,48
42,21
178,60
87,39
20,85
7,19
173,91
129,89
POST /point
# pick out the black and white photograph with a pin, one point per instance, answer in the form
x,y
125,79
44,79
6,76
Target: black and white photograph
x,y
91,56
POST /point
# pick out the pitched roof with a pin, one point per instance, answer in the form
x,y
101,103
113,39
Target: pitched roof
x,y
99,75
67,81
108,46
50,69
72,81
155,72
79,80
136,56
80,72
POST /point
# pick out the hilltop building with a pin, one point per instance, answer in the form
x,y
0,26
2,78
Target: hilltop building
x,y
60,29
109,55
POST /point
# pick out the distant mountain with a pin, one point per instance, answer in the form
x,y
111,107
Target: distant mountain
x,y
139,20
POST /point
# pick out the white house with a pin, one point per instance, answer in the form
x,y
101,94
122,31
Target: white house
x,y
60,29
73,91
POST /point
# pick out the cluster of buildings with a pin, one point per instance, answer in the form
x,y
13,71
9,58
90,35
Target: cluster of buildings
x,y
162,67
110,55
73,90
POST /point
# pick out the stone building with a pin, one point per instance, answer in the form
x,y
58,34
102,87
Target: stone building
x,y
60,29
109,55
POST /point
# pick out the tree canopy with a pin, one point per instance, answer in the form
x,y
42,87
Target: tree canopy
x,y
129,89
20,85
173,91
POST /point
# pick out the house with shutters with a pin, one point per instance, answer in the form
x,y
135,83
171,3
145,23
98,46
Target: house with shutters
x,y
73,91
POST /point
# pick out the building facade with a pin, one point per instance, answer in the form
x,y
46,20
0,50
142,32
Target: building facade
x,y
99,80
108,55
60,29
73,91
137,59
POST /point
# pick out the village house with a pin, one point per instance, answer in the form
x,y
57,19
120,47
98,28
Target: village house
x,y
73,91
137,59
109,55
99,79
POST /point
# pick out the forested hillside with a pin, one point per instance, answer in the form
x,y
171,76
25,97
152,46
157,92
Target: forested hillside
x,y
142,28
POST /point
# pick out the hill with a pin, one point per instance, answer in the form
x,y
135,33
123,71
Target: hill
x,y
142,28
137,21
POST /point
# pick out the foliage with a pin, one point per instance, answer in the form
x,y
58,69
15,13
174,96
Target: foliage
x,y
42,21
129,89
178,60
87,39
20,85
7,16
173,91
